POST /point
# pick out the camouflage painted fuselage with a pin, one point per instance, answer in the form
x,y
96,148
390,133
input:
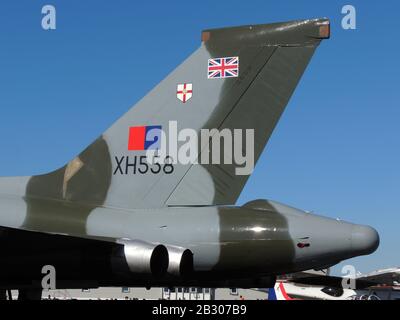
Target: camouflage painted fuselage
x,y
231,245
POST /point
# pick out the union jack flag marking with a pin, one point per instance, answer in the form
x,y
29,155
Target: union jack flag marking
x,y
221,68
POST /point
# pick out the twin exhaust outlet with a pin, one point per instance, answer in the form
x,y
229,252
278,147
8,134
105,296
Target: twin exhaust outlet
x,y
154,259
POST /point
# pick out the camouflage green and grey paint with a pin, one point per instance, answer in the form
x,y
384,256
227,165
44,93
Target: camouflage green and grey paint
x,y
193,206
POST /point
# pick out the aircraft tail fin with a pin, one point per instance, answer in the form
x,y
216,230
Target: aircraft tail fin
x,y
240,78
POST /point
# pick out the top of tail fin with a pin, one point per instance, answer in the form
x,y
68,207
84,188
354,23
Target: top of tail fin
x,y
239,78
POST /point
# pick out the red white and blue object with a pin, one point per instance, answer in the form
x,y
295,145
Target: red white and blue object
x,y
144,138
278,292
221,68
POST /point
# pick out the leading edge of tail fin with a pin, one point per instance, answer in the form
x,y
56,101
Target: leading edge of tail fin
x,y
240,79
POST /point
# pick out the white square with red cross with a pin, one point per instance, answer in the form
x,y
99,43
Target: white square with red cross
x,y
184,92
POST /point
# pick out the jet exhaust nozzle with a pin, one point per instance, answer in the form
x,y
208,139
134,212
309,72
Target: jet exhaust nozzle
x,y
142,257
180,261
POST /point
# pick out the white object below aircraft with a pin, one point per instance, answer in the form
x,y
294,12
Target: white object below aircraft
x,y
386,288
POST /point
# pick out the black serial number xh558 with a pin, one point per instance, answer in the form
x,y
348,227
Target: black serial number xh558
x,y
107,218
126,165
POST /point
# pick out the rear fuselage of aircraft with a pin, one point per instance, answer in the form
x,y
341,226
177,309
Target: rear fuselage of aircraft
x,y
226,246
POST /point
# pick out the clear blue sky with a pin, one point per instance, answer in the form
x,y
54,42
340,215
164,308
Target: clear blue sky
x,y
335,151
